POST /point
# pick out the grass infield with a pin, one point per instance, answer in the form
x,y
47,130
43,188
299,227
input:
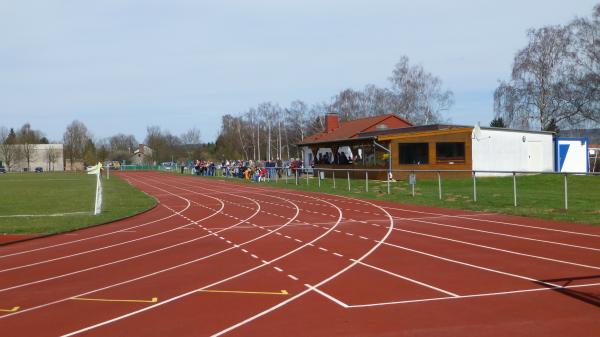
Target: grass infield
x,y
57,202
539,196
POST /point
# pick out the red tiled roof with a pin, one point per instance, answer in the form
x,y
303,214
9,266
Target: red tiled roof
x,y
351,129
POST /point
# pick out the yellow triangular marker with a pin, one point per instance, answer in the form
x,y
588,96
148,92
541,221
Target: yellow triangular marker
x,y
10,310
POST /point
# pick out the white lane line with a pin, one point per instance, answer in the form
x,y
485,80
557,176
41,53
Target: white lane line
x,y
470,265
338,254
331,298
409,279
99,235
363,237
297,240
467,217
254,256
325,281
278,269
501,293
98,249
293,277
164,302
323,249
498,249
245,251
507,235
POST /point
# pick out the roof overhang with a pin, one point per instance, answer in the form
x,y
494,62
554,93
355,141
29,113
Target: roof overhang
x,y
427,133
340,141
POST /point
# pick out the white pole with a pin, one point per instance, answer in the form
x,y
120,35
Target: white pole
x,y
98,203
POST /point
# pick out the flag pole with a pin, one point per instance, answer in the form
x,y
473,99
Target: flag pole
x,y
98,202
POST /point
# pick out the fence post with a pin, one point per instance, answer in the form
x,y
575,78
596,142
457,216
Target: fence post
x,y
285,173
515,189
474,187
414,183
319,177
389,177
439,185
366,181
348,180
296,177
306,177
333,175
566,193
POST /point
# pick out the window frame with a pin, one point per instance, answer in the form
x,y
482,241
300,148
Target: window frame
x,y
425,145
451,159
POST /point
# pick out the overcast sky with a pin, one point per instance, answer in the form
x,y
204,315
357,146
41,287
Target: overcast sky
x,y
120,65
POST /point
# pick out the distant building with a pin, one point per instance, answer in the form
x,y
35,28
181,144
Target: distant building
x,y
389,142
141,156
47,156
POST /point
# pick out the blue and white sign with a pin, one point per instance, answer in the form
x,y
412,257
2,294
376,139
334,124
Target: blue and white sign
x,y
571,155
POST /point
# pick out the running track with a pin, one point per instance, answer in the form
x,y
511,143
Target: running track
x,y
216,258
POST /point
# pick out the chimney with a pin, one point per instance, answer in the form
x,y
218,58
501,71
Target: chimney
x,y
141,148
332,121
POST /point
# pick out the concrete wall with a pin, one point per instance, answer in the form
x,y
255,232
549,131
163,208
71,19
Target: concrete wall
x,y
512,150
40,158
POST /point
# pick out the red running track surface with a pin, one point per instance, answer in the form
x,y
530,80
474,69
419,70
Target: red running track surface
x,y
217,258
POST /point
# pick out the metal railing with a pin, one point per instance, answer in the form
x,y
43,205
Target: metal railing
x,y
299,176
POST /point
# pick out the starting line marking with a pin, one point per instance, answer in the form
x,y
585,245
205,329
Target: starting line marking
x,y
153,300
281,292
10,310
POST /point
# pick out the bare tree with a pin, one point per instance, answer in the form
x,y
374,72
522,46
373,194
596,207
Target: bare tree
x,y
191,141
584,75
419,93
75,139
103,151
349,104
9,152
27,139
123,143
155,140
536,91
52,157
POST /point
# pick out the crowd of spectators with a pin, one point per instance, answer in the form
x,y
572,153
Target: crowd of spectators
x,y
339,158
260,170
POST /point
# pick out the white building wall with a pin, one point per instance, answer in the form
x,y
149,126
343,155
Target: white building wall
x,y
40,158
512,150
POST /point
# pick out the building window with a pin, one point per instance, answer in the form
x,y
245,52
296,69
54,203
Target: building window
x,y
414,153
450,153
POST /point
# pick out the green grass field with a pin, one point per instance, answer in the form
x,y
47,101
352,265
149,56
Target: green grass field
x,y
537,195
57,202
